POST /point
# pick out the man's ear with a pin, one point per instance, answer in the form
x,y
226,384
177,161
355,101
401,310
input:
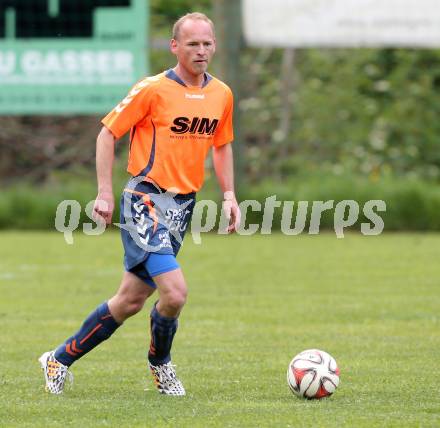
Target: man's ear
x,y
173,46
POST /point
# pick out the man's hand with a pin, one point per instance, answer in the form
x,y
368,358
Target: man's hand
x,y
103,207
231,211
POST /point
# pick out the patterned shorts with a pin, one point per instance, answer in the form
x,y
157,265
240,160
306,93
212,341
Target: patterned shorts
x,y
152,220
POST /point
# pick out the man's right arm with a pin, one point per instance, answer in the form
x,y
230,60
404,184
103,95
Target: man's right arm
x,y
125,115
105,153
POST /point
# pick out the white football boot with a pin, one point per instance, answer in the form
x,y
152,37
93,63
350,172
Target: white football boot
x,y
165,379
55,373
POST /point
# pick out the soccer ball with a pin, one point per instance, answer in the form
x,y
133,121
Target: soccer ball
x,y
313,374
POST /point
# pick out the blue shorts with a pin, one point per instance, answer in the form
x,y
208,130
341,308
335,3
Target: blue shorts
x,y
152,221
155,264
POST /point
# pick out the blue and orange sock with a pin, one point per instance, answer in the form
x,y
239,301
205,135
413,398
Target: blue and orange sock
x,y
98,326
163,330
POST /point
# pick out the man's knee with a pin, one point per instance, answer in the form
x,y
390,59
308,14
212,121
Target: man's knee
x,y
126,305
175,298
130,298
173,292
134,305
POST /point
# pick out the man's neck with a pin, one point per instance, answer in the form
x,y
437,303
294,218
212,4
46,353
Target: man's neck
x,y
189,79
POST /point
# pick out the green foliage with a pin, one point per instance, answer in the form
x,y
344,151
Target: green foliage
x,y
362,111
364,122
24,206
165,13
371,302
412,204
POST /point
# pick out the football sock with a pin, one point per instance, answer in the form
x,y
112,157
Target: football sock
x,y
163,330
99,326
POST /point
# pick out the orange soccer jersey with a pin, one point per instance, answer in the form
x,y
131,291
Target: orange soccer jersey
x,y
173,127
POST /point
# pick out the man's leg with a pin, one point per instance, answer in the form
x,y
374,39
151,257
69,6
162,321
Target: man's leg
x,y
99,326
172,297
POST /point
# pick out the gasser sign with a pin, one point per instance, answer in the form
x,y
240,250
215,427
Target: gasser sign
x,y
63,56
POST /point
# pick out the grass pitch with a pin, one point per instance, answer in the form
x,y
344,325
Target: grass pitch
x,y
254,302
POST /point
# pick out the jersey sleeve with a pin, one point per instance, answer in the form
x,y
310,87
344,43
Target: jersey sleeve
x,y
131,110
225,132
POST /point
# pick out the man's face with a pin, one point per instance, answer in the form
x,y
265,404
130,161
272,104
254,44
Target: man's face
x,y
194,47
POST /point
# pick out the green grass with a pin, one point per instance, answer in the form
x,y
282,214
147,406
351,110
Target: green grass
x,y
254,302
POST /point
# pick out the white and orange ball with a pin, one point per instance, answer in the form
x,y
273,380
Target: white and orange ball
x,y
313,374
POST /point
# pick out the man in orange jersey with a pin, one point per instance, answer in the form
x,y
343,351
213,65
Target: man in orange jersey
x,y
174,119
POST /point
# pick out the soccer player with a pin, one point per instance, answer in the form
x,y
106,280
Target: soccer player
x,y
174,119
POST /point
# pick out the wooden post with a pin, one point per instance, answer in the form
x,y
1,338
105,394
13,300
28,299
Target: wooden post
x,y
228,23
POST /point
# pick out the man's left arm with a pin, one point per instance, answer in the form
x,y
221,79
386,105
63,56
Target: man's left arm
x,y
223,160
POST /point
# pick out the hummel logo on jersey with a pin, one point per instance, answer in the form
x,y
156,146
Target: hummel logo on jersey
x,y
195,96
198,125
